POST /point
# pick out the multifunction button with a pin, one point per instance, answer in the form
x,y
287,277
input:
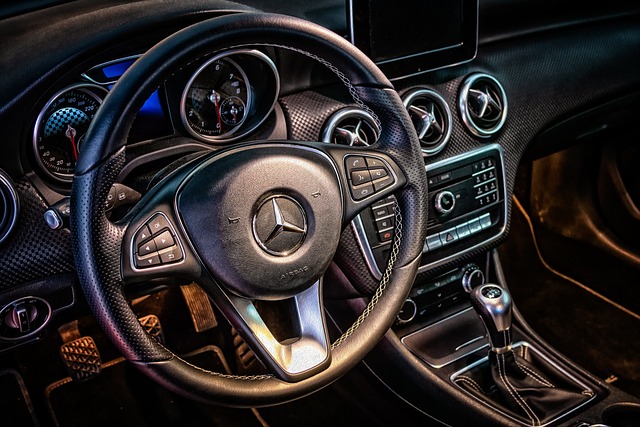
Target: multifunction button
x,y
384,218
155,243
367,175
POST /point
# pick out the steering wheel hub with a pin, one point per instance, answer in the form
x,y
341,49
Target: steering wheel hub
x,y
264,218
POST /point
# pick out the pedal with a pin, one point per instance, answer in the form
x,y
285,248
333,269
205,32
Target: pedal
x,y
200,309
245,357
152,325
81,358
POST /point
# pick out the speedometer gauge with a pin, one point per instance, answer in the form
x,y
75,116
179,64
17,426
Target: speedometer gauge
x,y
60,129
216,100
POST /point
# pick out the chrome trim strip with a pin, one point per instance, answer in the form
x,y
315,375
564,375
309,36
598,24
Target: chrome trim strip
x,y
14,200
106,64
552,363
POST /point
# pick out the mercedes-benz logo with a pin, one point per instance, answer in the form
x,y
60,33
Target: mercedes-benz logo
x,y
280,225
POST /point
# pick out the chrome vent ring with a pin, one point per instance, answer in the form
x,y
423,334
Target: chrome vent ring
x,y
9,206
483,105
431,116
351,126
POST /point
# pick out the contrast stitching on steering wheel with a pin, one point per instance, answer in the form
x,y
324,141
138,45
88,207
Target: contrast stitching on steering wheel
x,y
386,277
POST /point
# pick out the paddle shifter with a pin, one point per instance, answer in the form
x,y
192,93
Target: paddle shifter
x,y
493,305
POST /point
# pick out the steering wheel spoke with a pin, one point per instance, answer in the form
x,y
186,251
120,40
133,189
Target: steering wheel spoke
x,y
302,351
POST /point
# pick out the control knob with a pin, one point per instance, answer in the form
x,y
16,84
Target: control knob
x,y
472,277
407,312
445,201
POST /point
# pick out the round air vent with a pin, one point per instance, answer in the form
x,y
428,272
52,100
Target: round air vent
x,y
351,126
431,117
483,105
9,206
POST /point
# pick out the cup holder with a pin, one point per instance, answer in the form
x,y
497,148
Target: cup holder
x,y
622,415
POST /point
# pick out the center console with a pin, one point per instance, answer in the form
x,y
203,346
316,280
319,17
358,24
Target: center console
x,y
467,209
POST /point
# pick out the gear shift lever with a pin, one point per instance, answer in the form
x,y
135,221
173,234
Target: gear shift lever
x,y
493,305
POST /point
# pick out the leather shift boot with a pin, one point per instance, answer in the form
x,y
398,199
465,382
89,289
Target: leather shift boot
x,y
524,385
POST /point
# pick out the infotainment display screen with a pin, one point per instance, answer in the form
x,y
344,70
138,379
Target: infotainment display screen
x,y
406,37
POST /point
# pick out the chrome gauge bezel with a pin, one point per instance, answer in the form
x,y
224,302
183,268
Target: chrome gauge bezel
x,y
241,129
88,88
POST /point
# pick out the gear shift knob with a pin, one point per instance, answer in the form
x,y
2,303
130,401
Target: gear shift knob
x,y
493,305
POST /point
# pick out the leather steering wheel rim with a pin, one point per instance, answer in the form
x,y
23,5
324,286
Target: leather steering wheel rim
x,y
97,242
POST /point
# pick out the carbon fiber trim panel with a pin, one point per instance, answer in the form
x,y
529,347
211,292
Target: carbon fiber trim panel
x,y
33,250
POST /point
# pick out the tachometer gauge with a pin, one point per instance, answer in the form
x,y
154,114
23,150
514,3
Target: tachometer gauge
x,y
216,99
61,127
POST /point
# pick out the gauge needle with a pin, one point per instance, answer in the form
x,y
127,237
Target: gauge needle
x,y
71,134
215,101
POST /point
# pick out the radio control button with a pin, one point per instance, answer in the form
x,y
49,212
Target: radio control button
x,y
433,242
445,202
474,226
485,221
463,230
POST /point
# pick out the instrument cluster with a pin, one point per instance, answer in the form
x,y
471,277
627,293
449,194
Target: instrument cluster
x,y
215,100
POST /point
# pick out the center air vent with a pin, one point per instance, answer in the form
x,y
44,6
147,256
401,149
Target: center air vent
x,y
483,105
8,206
351,126
431,117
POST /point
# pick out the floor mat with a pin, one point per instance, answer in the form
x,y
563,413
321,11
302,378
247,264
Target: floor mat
x,y
15,404
585,327
122,396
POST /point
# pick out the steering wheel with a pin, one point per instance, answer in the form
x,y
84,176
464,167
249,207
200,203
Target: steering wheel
x,y
254,222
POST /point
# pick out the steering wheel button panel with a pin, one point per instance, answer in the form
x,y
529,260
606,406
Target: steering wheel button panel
x,y
155,243
367,175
